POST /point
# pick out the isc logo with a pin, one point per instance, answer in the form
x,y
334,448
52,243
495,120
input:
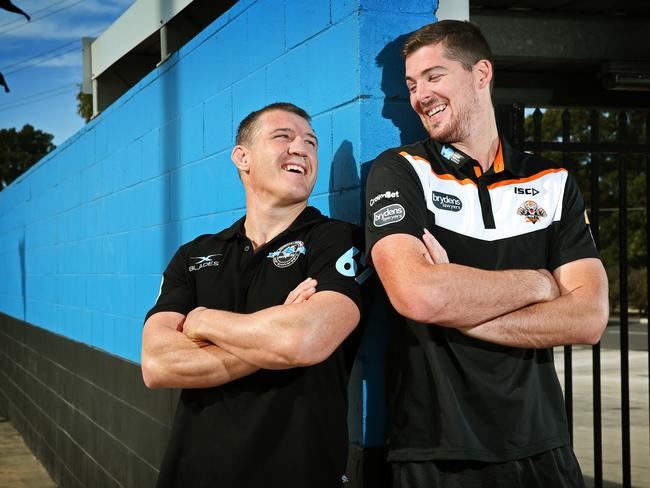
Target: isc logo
x,y
525,191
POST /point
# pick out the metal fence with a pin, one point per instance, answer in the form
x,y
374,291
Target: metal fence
x,y
608,151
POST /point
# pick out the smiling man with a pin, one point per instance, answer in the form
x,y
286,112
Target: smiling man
x,y
252,323
486,253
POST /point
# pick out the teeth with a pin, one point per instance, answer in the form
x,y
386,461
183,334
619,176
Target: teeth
x,y
436,110
294,168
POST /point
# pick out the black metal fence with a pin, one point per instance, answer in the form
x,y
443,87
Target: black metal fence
x,y
608,151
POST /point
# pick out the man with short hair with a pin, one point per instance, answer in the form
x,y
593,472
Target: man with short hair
x,y
252,323
486,253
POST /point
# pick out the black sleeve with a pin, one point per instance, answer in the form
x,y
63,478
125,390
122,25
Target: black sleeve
x,y
336,260
394,200
571,239
177,291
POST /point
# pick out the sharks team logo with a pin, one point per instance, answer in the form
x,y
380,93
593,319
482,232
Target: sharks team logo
x,y
288,254
531,211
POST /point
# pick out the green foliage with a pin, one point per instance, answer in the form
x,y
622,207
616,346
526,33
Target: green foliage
x,y
19,150
84,105
577,123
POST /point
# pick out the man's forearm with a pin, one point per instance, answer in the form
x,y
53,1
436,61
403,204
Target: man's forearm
x,y
471,296
172,360
452,295
279,337
540,325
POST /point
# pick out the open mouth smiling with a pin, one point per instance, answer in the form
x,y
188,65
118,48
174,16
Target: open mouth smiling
x,y
436,110
293,168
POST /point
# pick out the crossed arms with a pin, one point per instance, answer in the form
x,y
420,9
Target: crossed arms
x,y
518,308
210,347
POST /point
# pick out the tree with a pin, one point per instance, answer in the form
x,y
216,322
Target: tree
x,y
19,150
84,105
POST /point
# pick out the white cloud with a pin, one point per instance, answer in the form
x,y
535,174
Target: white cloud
x,y
63,61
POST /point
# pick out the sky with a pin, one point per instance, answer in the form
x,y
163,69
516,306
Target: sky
x,y
41,61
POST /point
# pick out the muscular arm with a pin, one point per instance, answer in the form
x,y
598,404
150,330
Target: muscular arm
x,y
170,359
280,337
450,294
578,316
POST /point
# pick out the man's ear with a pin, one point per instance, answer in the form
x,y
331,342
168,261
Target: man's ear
x,y
239,156
484,72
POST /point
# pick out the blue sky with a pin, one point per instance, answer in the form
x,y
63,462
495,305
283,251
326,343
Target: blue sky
x,y
41,61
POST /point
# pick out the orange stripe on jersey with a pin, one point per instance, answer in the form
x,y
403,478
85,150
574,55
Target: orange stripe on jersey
x,y
465,181
478,171
524,180
498,160
418,158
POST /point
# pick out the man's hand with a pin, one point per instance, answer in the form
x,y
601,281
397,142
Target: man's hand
x,y
553,287
302,292
436,253
191,326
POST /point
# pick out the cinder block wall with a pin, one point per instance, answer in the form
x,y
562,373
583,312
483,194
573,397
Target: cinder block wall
x,y
86,233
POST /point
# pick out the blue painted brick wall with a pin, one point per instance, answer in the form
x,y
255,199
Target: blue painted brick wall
x,y
86,233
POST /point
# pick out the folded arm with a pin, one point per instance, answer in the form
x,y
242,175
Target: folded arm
x,y
448,294
578,316
170,359
279,337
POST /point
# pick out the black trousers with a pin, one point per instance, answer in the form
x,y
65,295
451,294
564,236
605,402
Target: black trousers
x,y
557,468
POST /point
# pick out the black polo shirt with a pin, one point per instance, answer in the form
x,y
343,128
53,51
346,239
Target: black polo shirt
x,y
272,428
452,396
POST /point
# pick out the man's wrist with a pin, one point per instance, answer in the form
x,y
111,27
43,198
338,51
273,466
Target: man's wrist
x,y
548,289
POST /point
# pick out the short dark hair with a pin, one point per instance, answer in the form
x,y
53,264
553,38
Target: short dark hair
x,y
247,127
462,41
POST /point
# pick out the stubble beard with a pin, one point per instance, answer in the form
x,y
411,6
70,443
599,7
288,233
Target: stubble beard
x,y
459,127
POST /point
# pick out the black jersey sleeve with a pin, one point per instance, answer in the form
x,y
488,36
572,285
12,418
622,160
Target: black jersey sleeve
x,y
394,200
336,260
177,290
571,238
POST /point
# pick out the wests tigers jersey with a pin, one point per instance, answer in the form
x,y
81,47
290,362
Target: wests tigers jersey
x,y
451,396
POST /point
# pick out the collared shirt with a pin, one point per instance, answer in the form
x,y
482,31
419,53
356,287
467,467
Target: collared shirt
x,y
271,428
452,396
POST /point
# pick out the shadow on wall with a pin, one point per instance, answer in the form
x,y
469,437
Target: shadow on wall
x,y
344,186
396,97
367,383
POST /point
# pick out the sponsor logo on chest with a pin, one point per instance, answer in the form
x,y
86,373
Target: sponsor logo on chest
x,y
205,261
444,201
287,254
525,191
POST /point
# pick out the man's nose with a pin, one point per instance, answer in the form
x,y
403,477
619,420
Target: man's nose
x,y
298,146
422,93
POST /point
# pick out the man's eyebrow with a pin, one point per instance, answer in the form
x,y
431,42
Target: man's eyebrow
x,y
427,71
287,129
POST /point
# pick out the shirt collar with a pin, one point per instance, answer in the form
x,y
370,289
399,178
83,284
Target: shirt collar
x,y
451,155
307,217
505,159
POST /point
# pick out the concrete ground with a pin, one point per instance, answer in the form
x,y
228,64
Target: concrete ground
x,y
18,466
611,414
